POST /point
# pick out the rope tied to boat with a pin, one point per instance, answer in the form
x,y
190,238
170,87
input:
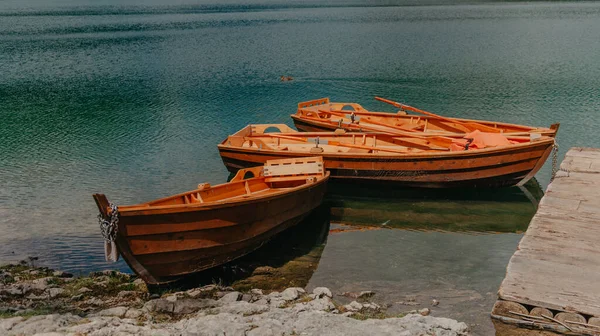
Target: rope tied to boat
x,y
109,228
554,160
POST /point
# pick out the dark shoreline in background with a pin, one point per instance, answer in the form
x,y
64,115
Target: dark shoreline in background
x,y
211,8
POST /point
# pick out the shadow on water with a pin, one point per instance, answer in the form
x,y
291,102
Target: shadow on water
x,y
288,260
500,210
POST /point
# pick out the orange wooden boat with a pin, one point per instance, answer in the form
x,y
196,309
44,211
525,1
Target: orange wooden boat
x,y
168,238
417,161
321,115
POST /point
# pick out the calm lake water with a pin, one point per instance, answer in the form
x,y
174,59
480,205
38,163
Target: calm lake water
x,y
130,99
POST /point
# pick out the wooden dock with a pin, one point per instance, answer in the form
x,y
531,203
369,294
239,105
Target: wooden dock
x,y
555,271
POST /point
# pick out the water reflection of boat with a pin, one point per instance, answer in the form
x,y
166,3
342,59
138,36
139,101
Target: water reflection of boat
x,y
498,210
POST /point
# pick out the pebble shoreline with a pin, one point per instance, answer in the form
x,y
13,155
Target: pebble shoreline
x,y
41,301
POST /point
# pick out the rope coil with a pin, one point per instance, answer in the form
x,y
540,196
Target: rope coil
x,y
110,227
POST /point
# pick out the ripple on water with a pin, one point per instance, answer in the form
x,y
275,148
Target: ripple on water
x,y
131,101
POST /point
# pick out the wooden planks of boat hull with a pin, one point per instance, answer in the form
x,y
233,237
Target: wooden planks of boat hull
x,y
180,263
483,168
208,237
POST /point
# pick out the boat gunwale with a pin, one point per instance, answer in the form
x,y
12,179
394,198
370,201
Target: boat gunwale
x,y
431,154
392,114
142,209
329,124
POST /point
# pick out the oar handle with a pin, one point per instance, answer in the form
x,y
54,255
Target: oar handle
x,y
470,125
387,101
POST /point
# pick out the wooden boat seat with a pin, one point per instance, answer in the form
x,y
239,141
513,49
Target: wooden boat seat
x,y
293,169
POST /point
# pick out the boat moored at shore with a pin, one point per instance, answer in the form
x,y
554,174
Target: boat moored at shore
x,y
171,237
321,115
416,161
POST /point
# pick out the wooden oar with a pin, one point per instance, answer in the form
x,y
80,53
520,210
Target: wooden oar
x,y
404,131
470,124
367,119
371,121
397,131
516,136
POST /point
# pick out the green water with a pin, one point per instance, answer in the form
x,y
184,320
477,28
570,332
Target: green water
x,y
130,99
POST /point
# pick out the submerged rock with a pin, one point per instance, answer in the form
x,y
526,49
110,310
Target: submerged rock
x,y
365,294
361,295
61,274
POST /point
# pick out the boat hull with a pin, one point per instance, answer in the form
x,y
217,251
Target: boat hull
x,y
495,167
163,246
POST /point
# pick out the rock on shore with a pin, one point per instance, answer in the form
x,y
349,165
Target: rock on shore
x,y
47,305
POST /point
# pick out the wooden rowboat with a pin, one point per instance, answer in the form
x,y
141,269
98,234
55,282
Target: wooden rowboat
x,y
168,238
416,161
321,115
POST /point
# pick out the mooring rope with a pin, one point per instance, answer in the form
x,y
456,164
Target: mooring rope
x,y
109,228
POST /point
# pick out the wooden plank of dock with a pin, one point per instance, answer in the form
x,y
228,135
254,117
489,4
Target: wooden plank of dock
x,y
557,262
